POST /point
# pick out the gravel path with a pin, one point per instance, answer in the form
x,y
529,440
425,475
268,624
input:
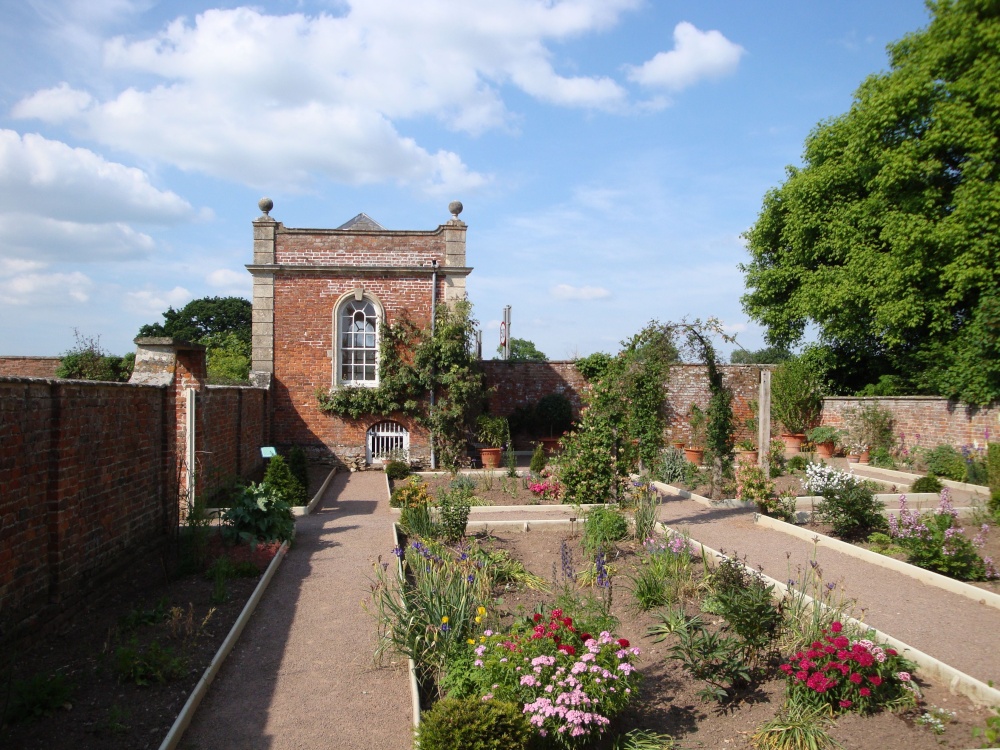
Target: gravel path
x,y
301,675
957,630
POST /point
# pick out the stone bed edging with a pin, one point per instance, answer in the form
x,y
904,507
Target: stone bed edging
x,y
883,561
183,720
906,477
959,682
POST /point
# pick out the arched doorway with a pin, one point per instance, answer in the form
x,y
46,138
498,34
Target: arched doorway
x,y
386,439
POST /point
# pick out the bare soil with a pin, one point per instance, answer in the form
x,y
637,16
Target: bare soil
x,y
669,702
87,648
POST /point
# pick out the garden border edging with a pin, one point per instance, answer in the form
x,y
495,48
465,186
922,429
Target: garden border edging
x,y
959,682
924,576
183,720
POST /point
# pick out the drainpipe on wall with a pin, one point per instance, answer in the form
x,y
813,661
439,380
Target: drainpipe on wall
x,y
189,429
434,294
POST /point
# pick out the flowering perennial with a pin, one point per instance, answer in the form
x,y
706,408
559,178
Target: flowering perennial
x,y
821,478
849,675
570,683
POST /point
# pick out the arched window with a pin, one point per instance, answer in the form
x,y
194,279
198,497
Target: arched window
x,y
357,349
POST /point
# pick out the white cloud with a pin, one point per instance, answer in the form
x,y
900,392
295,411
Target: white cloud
x,y
566,291
230,283
45,288
27,236
148,302
278,100
696,55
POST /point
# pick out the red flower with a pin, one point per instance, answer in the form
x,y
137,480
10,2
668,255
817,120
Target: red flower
x,y
557,613
836,627
786,668
865,691
801,675
892,652
567,621
855,678
537,617
875,680
623,642
841,642
567,648
865,659
585,637
845,704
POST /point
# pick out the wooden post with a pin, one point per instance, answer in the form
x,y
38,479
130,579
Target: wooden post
x,y
764,421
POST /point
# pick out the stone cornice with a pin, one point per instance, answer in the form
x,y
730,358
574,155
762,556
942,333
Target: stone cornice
x,y
352,270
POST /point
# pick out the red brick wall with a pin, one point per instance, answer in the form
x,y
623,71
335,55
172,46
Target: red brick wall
x,y
338,247
30,367
303,338
518,384
925,420
89,475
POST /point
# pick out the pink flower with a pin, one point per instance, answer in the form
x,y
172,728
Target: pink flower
x,y
836,627
865,691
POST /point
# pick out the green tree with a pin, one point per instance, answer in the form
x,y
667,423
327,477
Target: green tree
x,y
204,317
769,355
522,350
886,239
87,360
227,357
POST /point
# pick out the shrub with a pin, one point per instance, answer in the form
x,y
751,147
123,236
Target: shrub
x,y
993,471
554,414
538,460
935,542
871,426
603,527
453,508
852,510
36,697
839,674
752,486
298,464
672,466
797,394
144,666
258,514
413,493
472,724
397,469
929,483
798,462
882,458
279,479
946,461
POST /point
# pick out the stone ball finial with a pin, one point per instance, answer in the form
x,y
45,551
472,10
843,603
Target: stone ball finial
x,y
265,205
455,207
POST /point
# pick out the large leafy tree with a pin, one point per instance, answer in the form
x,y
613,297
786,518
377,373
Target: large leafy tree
x,y
887,239
523,350
203,317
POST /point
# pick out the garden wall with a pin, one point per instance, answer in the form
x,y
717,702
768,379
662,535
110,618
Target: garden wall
x,y
30,367
91,473
517,384
925,420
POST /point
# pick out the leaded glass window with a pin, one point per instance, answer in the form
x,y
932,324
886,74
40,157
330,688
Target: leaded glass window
x,y
358,343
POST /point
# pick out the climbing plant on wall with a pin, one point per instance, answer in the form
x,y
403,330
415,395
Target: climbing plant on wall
x,y
412,362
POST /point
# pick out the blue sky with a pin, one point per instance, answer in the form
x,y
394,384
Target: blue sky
x,y
609,153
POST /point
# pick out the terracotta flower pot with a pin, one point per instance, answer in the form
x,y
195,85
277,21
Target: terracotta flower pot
x,y
825,450
550,445
748,457
678,444
491,457
853,458
793,443
864,457
694,455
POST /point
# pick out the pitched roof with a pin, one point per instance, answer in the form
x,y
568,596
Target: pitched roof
x,y
364,222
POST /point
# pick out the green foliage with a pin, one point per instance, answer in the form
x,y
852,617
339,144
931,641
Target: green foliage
x,y
538,460
227,357
146,665
929,483
882,458
991,732
36,697
554,414
770,355
672,467
644,739
797,394
646,505
280,480
397,469
993,474
797,462
522,350
934,541
138,617
411,494
492,431
872,426
259,514
416,521
796,727
298,464
205,317
453,509
664,574
603,526
746,602
472,724
88,361
710,656
851,509
886,238
752,486
824,434
594,367
946,461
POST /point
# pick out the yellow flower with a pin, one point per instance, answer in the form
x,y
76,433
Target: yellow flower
x,y
481,610
444,619
482,638
471,641
479,620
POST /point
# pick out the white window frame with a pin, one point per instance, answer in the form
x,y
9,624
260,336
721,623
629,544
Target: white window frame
x,y
354,298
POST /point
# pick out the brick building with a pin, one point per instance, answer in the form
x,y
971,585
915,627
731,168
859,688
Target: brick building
x,y
320,298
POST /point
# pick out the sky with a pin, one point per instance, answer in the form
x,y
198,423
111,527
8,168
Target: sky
x,y
609,153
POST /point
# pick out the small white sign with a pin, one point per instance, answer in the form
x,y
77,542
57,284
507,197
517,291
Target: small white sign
x,y
268,452
503,333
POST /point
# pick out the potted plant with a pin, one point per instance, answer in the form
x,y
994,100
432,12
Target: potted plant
x,y
826,439
493,433
856,449
797,398
554,415
748,450
870,426
697,420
